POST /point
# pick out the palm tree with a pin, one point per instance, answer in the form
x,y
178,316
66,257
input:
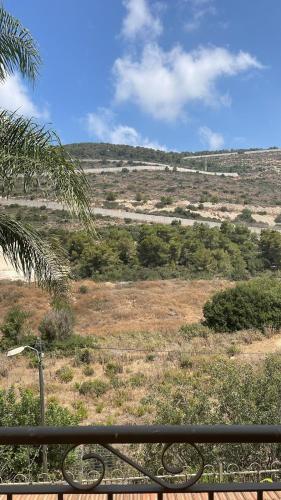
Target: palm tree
x,y
28,153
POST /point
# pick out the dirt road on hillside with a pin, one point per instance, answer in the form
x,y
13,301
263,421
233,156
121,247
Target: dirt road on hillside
x,y
118,214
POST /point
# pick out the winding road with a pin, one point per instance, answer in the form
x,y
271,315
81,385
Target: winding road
x,y
118,214
100,170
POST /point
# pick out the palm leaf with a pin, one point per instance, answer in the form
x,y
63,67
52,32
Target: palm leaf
x,y
34,257
18,50
29,152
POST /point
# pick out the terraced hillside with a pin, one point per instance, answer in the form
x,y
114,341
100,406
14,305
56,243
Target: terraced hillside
x,y
245,188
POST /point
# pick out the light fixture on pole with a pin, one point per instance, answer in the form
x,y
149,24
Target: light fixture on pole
x,y
40,355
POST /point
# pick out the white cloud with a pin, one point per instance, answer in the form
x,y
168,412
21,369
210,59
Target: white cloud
x,y
14,97
139,20
213,140
102,126
199,10
163,83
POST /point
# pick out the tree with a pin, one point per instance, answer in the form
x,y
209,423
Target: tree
x,y
270,243
29,152
153,251
22,410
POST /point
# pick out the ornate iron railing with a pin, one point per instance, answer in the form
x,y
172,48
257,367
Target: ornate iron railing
x,y
180,449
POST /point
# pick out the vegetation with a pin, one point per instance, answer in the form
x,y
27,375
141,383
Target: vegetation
x,y
95,387
158,251
256,304
223,392
23,409
15,328
27,151
57,325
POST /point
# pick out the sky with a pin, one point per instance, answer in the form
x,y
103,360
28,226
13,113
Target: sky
x,y
181,75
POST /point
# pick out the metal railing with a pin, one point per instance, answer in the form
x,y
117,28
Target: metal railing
x,y
100,448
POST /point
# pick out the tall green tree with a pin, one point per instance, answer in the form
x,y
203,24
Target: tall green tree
x,y
28,153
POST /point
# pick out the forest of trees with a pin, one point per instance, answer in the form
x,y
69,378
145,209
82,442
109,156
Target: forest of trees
x,y
159,251
100,151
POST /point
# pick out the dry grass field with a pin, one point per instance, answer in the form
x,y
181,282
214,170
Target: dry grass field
x,y
145,316
142,315
107,309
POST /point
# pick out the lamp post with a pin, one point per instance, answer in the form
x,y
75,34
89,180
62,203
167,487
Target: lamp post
x,y
40,356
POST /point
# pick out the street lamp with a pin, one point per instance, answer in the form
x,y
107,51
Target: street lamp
x,y
40,355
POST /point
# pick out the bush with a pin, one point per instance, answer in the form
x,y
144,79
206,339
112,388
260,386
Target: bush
x,y
85,356
83,289
111,196
13,327
150,357
88,371
64,374
112,368
81,410
256,304
194,330
96,387
245,216
56,325
137,380
72,344
233,350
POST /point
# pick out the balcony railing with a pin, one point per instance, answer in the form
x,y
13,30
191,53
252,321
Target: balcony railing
x,y
180,451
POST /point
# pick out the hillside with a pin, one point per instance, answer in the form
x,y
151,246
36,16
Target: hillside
x,y
241,159
201,186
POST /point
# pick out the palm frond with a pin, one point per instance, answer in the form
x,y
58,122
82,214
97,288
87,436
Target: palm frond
x,y
30,152
34,257
18,50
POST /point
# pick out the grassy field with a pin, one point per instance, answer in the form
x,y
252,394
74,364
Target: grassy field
x,y
139,345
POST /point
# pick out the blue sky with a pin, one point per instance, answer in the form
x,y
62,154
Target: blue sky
x,y
182,75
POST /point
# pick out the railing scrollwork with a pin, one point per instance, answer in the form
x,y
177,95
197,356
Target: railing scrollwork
x,y
168,468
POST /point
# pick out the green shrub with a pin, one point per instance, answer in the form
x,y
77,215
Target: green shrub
x,y
14,326
65,374
137,380
111,196
96,387
112,368
83,289
254,304
88,371
150,357
80,410
194,330
245,216
233,350
85,356
72,344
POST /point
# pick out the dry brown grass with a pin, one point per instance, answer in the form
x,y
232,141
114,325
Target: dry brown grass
x,y
147,306
145,315
114,308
